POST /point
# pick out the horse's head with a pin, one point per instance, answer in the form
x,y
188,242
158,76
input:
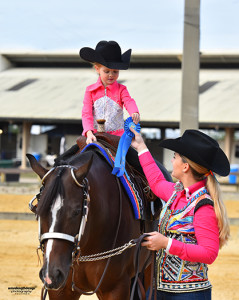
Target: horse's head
x,y
59,212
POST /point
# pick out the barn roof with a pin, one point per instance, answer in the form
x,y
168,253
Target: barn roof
x,y
55,94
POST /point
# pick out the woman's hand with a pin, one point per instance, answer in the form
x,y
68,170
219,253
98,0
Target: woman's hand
x,y
137,141
135,118
90,137
155,241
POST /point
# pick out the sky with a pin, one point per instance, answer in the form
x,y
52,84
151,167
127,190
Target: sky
x,y
153,25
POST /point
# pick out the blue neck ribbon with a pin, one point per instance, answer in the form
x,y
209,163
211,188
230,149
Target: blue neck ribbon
x,y
123,147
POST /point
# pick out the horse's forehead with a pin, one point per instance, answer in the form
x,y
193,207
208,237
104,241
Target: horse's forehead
x,y
61,174
61,183
58,203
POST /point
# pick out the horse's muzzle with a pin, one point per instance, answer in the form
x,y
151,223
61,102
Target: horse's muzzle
x,y
54,280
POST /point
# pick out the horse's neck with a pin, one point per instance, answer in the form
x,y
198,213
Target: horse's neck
x,y
104,208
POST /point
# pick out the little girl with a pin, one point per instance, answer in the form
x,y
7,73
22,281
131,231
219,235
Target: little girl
x,y
106,98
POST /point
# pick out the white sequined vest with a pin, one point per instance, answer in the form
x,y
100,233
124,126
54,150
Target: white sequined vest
x,y
106,108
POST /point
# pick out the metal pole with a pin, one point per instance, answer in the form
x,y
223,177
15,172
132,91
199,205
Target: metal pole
x,y
229,142
190,66
26,128
1,132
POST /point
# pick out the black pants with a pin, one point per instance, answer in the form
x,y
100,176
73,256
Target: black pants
x,y
198,295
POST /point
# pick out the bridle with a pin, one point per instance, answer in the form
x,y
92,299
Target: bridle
x,y
86,201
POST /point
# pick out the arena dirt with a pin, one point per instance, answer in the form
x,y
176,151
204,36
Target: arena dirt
x,y
19,262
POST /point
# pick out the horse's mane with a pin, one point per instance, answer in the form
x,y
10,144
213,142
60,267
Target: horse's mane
x,y
78,158
55,188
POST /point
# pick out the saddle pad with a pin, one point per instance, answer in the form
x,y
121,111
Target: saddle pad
x,y
135,199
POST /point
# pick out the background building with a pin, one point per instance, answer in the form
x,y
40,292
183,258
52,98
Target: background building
x,y
42,94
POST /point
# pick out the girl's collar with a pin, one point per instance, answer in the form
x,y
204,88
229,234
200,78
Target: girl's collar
x,y
111,86
100,84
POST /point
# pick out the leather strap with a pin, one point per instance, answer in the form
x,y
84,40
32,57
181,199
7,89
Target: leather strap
x,y
141,290
43,293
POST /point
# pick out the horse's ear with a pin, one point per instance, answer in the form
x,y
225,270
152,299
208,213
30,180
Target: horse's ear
x,y
36,167
83,170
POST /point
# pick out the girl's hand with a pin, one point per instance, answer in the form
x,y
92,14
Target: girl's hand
x,y
155,241
137,141
136,118
90,137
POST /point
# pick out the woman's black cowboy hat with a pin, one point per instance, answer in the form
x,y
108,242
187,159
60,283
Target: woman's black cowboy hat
x,y
201,149
107,54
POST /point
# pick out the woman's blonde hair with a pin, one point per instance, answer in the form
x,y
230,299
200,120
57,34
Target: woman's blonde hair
x,y
213,188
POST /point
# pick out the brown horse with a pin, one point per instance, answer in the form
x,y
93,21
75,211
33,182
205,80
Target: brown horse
x,y
83,189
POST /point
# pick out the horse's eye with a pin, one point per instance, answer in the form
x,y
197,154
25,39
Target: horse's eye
x,y
76,212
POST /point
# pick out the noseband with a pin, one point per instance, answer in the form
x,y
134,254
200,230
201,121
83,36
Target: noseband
x,y
86,201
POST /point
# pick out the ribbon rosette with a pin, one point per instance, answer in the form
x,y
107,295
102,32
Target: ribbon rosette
x,y
123,147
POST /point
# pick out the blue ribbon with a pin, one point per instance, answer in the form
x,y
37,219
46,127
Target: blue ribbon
x,y
123,147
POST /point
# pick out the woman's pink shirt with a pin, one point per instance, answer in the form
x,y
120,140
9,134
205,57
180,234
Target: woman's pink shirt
x,y
205,221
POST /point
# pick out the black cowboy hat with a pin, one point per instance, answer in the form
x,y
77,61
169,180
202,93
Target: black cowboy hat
x,y
201,149
107,54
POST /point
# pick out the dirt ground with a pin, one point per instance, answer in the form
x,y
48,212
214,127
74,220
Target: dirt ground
x,y
19,262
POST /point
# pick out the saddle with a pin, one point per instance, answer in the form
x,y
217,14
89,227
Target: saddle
x,y
102,137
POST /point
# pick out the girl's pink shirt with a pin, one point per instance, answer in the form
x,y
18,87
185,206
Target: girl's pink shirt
x,y
116,91
205,221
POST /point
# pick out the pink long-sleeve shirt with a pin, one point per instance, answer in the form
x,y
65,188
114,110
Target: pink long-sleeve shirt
x,y
115,97
205,221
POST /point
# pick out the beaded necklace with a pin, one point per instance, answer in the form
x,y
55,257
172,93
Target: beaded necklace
x,y
200,193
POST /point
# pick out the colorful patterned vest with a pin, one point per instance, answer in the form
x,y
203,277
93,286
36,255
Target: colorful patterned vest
x,y
175,274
